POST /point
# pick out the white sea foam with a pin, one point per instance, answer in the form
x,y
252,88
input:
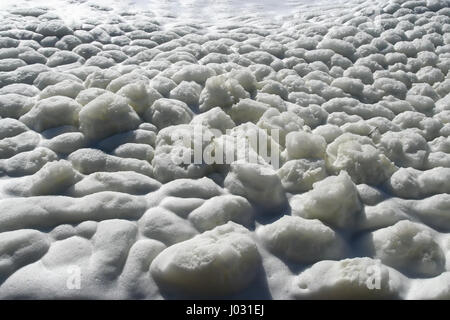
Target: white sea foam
x,y
193,148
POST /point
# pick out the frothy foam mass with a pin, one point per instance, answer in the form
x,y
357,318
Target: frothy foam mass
x,y
314,139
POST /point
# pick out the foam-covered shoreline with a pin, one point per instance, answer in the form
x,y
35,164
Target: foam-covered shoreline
x,y
93,96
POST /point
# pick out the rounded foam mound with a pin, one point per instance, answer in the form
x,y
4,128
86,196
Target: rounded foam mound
x,y
217,262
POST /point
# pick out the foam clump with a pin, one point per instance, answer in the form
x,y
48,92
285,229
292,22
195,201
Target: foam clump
x,y
221,91
175,151
411,183
250,180
215,118
219,210
93,160
202,188
168,112
87,95
194,73
350,278
123,181
40,212
13,105
106,115
53,178
432,211
320,202
66,88
139,151
22,142
187,92
284,122
139,96
247,110
11,127
52,112
134,276
165,226
28,162
359,156
218,262
300,175
301,240
66,143
111,244
341,47
19,248
408,247
405,148
304,145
